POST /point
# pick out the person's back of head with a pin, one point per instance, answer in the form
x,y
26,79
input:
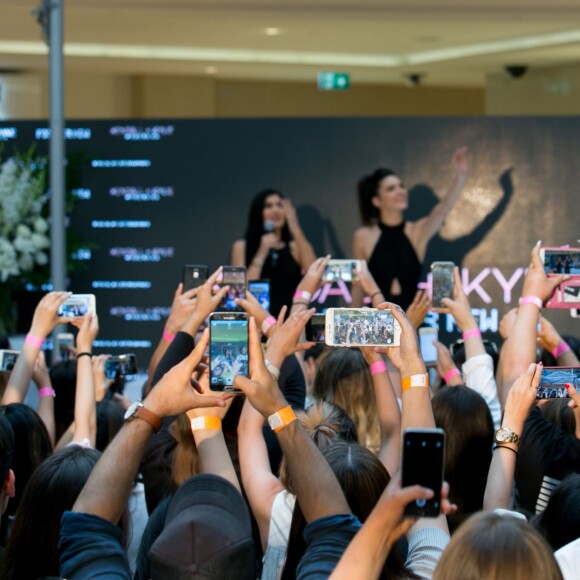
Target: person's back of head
x,y
557,412
6,460
31,447
110,419
489,546
559,523
464,416
52,489
207,534
344,379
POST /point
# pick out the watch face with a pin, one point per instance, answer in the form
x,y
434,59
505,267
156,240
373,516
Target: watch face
x,y
502,434
132,410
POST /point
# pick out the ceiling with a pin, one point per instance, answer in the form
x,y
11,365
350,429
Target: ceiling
x,y
451,42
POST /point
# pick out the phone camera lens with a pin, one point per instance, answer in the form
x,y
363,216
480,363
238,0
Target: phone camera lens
x,y
420,503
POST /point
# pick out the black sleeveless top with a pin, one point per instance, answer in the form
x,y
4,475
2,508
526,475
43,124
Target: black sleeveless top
x,y
394,258
284,274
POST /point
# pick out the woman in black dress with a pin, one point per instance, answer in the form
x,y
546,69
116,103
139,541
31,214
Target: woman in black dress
x,y
394,248
274,247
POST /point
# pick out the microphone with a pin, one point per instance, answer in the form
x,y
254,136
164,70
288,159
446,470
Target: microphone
x,y
273,254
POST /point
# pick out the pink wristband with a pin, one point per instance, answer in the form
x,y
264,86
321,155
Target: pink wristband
x,y
471,333
451,374
168,336
46,392
32,340
267,324
531,300
562,347
378,367
302,294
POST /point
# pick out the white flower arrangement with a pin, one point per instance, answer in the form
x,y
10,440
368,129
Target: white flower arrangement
x,y
23,229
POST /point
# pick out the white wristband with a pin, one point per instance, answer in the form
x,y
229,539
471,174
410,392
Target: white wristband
x,y
272,369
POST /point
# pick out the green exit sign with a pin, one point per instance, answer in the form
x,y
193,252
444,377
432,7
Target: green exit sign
x,y
333,81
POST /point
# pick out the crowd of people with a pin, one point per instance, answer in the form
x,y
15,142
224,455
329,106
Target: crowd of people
x,y
300,475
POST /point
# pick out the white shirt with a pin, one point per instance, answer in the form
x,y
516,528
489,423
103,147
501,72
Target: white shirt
x,y
478,375
568,558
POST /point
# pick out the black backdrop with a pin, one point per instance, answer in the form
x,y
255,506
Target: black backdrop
x,y
156,194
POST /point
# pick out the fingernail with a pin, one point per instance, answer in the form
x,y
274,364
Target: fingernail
x,y
539,243
540,364
569,385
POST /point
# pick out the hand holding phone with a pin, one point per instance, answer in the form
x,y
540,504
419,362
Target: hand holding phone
x,y
554,380
361,327
121,366
235,278
77,306
423,464
314,329
442,282
194,275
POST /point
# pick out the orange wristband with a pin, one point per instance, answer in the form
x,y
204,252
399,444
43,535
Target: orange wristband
x,y
282,418
207,422
415,381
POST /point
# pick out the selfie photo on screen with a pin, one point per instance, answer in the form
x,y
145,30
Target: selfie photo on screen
x,y
228,351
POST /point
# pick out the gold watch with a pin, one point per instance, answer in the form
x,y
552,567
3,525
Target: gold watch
x,y
505,435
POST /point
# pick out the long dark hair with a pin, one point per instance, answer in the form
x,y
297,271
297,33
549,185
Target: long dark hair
x,y
255,229
468,425
363,479
31,447
367,189
52,490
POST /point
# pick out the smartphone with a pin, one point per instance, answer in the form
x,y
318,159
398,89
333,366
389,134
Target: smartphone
x,y
423,464
314,329
553,380
235,278
361,327
345,270
64,345
260,290
121,366
442,282
427,335
77,306
8,359
228,349
194,275
561,261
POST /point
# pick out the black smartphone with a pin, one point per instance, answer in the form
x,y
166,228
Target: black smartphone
x,y
8,359
553,380
121,366
194,275
228,349
260,290
314,329
442,282
235,278
423,464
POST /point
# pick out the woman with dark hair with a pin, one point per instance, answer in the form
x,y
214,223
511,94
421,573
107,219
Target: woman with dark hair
x,y
274,247
394,248
32,550
31,447
464,416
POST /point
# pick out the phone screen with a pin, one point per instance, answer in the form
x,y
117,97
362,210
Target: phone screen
x,y
194,276
9,358
121,366
442,282
428,349
235,278
260,290
553,380
314,329
365,326
423,464
228,349
66,345
338,270
74,307
558,261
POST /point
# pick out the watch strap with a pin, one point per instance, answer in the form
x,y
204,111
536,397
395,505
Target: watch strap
x,y
149,417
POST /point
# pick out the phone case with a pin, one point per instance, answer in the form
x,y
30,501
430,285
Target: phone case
x,y
566,296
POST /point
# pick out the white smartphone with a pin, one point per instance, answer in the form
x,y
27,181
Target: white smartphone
x,y
563,260
64,345
8,359
427,335
345,270
77,306
361,327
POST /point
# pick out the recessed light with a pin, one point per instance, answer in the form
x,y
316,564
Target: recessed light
x,y
211,70
272,31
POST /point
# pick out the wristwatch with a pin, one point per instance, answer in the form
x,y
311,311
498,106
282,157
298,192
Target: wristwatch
x,y
137,410
505,435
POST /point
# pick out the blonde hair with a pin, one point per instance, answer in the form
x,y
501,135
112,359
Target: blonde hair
x,y
490,546
344,379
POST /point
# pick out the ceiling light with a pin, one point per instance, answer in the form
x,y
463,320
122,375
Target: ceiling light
x,y
272,31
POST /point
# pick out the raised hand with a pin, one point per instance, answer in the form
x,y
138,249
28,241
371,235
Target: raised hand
x,y
419,308
182,307
45,315
536,282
